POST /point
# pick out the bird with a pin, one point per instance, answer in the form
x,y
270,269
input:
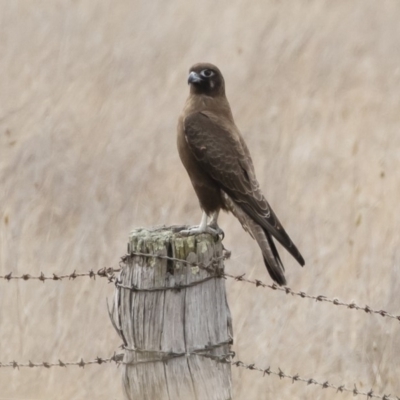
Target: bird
x,y
221,170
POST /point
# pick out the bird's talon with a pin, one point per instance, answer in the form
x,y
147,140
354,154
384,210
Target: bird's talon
x,y
218,231
196,230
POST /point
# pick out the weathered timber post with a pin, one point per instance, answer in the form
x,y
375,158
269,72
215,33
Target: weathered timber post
x,y
173,317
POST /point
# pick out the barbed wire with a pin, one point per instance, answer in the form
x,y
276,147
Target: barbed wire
x,y
98,360
258,283
210,267
311,381
224,358
102,272
109,273
319,298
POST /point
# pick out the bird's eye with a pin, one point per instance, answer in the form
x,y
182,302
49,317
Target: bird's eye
x,y
207,73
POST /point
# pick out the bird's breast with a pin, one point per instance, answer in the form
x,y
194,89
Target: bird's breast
x,y
207,189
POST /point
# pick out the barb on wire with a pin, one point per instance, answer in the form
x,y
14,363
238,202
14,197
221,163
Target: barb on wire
x,y
258,283
108,273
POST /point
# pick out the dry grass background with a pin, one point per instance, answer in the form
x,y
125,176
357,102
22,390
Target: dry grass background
x,y
90,93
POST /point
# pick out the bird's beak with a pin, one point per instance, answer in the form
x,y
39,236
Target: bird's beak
x,y
194,77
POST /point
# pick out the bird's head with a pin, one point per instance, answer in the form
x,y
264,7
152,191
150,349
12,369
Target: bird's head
x,y
205,78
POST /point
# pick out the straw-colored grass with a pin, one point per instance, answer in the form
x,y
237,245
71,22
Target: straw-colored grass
x,y
90,93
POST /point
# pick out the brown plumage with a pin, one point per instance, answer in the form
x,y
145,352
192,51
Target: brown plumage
x,y
221,170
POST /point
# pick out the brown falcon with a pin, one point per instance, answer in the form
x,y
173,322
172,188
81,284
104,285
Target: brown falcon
x,y
221,170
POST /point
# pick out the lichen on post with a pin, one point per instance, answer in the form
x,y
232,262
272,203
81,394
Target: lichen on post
x,y
173,317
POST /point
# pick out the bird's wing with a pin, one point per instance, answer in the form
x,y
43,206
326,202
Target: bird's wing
x,y
221,155
270,254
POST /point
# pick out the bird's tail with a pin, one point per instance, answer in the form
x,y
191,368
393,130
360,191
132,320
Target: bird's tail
x,y
270,254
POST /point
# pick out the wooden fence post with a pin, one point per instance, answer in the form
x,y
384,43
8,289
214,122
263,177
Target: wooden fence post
x,y
173,317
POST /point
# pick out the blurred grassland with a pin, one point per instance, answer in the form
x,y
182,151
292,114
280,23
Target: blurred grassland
x,y
90,93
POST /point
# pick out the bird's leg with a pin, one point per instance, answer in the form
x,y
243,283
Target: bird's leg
x,y
214,224
203,223
202,228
